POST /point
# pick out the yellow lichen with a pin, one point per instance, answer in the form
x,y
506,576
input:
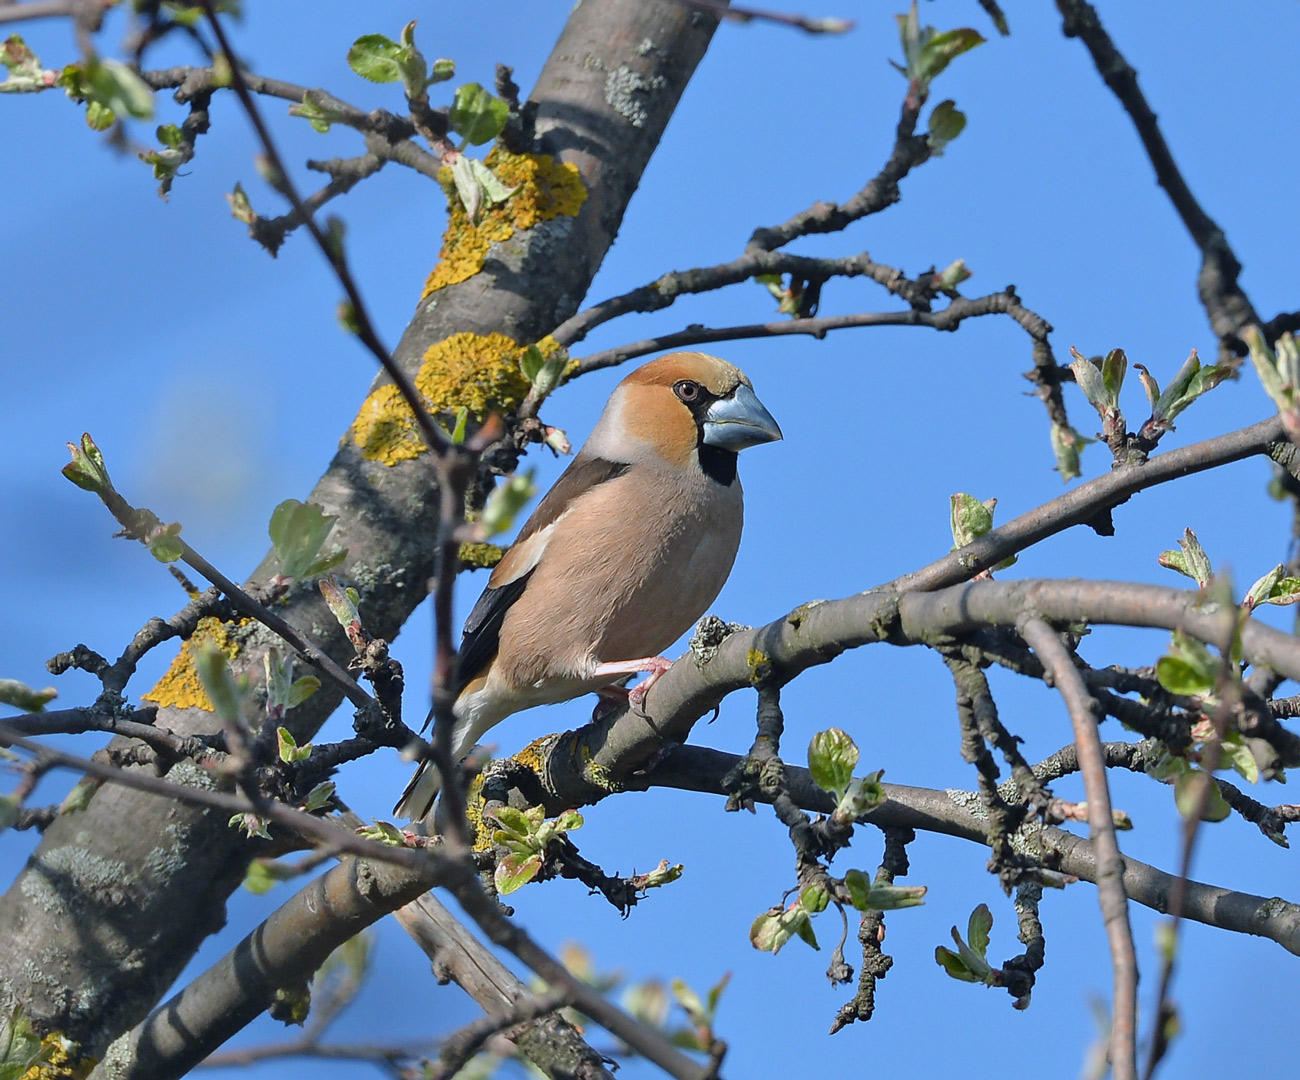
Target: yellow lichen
x,y
534,755
480,556
474,815
59,1059
181,688
384,429
479,371
545,189
760,666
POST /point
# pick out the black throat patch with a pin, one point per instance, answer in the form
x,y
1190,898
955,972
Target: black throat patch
x,y
718,464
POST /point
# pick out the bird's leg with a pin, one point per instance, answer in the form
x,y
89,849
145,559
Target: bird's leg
x,y
655,665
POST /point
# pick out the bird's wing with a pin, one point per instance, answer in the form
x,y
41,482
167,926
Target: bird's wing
x,y
510,577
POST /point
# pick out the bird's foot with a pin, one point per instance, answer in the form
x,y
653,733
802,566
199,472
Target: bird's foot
x,y
655,665
636,696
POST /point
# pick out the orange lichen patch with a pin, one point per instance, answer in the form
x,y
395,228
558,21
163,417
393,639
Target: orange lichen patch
x,y
479,371
180,687
545,189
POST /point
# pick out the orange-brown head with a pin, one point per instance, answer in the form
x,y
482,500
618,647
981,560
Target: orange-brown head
x,y
683,407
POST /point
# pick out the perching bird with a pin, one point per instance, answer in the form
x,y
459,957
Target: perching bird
x,y
620,558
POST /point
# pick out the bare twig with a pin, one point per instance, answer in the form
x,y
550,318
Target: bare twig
x,y
959,814
433,436
743,14
462,1045
551,1043
910,150
1110,866
948,319
1226,304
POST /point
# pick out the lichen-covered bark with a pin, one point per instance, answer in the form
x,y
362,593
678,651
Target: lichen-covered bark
x,y
117,898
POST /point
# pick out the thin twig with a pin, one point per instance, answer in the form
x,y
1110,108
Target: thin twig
x,y
959,309
434,438
1110,865
743,14
1227,305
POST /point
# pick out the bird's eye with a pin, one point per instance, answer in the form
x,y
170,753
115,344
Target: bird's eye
x,y
687,391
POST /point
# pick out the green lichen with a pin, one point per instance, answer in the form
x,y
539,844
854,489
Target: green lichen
x,y
760,666
480,556
545,189
597,775
479,371
180,687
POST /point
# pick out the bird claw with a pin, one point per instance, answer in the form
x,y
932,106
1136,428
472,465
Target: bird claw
x,y
636,696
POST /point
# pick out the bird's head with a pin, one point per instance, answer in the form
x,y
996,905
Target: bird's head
x,y
684,406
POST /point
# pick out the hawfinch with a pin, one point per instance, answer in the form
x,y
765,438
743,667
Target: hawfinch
x,y
620,558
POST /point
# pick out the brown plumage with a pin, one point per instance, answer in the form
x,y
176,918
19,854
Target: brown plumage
x,y
623,554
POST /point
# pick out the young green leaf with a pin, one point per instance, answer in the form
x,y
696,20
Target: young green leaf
x,y
21,1047
87,469
164,542
977,930
476,115
297,532
1188,669
289,749
341,602
946,123
1066,446
376,57
953,966
320,110
21,696
1113,369
226,693
832,755
240,208
863,794
951,275
771,930
505,501
319,797
301,689
941,49
1191,787
514,871
1191,561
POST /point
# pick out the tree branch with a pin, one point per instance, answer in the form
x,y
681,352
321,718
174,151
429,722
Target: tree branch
x,y
1227,305
1110,866
959,814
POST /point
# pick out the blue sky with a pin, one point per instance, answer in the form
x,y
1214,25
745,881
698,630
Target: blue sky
x,y
216,381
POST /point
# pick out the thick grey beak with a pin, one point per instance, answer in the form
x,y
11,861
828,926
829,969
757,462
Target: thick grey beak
x,y
739,421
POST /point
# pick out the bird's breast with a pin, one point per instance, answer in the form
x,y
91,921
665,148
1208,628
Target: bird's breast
x,y
627,572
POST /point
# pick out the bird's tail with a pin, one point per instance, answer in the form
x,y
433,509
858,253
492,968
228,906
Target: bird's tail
x,y
472,720
418,798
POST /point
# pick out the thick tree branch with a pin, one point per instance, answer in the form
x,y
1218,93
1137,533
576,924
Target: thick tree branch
x,y
578,770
